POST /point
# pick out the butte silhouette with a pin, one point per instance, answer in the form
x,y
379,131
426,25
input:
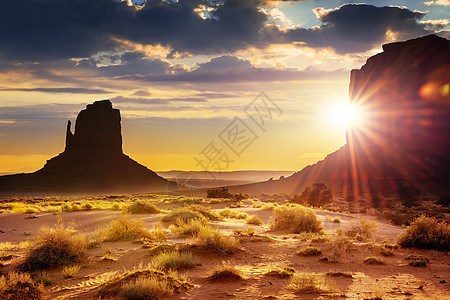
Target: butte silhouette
x,y
404,138
92,162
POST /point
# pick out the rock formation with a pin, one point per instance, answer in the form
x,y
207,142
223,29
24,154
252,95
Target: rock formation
x,y
93,161
403,95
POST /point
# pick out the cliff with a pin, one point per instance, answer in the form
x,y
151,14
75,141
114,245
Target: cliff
x,y
403,97
92,162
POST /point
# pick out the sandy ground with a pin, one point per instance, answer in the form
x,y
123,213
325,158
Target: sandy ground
x,y
258,254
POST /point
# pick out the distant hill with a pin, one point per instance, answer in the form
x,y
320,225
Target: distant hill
x,y
205,179
404,139
92,162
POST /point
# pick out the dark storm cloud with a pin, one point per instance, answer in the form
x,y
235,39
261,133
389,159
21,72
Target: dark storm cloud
x,y
359,27
67,90
39,30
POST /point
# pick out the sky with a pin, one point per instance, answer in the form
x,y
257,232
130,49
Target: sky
x,y
214,85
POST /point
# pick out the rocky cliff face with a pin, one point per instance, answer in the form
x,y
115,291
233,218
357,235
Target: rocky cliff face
x,y
403,95
93,161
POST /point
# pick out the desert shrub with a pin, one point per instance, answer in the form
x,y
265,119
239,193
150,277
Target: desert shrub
x,y
54,246
309,283
417,260
385,251
257,205
296,218
213,239
316,195
191,227
336,220
254,220
309,251
228,213
339,245
20,286
69,271
426,233
362,230
141,207
218,193
250,231
145,288
215,201
372,260
174,260
189,213
126,228
225,272
281,272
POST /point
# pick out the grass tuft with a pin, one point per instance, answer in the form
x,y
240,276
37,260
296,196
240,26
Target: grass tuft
x,y
174,260
126,228
296,218
54,246
20,286
213,239
225,272
191,227
141,207
372,260
254,220
281,272
417,260
69,271
310,283
309,251
362,230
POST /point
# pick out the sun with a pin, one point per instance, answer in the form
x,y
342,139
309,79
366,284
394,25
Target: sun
x,y
342,115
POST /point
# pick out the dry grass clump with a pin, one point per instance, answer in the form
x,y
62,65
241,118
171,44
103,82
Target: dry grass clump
x,y
250,231
214,201
417,260
372,260
336,220
141,207
126,228
339,245
296,218
191,227
281,272
144,283
310,283
426,233
69,271
254,220
385,251
174,260
192,212
228,213
20,286
213,239
54,246
309,251
225,272
362,230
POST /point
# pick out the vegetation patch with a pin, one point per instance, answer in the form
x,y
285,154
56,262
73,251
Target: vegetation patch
x,y
191,227
254,220
193,212
141,207
281,272
214,240
228,213
310,283
309,251
70,271
20,286
174,260
54,246
362,230
372,260
426,233
417,260
296,219
127,228
225,272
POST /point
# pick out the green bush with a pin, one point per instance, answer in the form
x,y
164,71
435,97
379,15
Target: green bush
x,y
426,233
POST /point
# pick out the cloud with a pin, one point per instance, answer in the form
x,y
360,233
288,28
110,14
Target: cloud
x,y
66,90
353,28
436,24
121,99
438,2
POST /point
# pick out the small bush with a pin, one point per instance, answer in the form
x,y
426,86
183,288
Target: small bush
x,y
54,246
20,286
310,283
126,228
145,288
192,227
309,251
426,233
69,271
336,220
339,245
372,260
247,232
386,251
228,213
225,272
42,277
282,273
215,201
218,193
254,220
140,207
417,260
362,230
190,213
296,218
213,239
174,260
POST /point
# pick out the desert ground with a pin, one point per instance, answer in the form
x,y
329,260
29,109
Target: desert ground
x,y
263,258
